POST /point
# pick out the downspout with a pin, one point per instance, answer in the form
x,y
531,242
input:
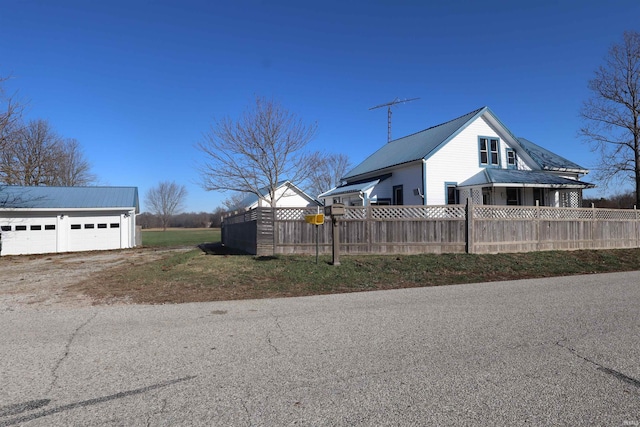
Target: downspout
x,y
363,197
424,182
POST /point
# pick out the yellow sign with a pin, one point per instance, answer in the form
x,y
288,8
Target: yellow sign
x,y
314,219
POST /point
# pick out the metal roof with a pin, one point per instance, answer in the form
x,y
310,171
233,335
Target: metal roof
x,y
515,178
413,147
20,197
353,188
548,160
422,144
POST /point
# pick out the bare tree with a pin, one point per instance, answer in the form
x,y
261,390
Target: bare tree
x,y
37,155
234,201
10,114
165,200
258,151
328,173
612,114
72,169
30,155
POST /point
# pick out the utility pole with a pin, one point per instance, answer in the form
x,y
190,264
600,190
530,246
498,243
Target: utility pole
x,y
389,105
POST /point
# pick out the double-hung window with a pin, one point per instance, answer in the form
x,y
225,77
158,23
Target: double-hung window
x,y
511,159
489,151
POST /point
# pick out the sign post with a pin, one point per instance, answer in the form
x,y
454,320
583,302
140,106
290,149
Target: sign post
x,y
316,220
336,211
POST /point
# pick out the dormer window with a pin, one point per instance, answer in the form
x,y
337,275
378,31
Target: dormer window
x,y
489,151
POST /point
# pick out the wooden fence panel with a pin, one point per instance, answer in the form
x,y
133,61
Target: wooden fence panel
x,y
242,236
434,229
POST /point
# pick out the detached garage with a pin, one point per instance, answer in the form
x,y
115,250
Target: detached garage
x,y
37,220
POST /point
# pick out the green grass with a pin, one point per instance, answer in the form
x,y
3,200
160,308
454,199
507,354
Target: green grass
x,y
195,276
173,237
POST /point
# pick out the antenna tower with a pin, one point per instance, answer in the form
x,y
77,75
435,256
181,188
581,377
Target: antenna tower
x,y
389,105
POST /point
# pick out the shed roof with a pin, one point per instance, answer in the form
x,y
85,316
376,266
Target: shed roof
x,y
352,188
21,197
515,178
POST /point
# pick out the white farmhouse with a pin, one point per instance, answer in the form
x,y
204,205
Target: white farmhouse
x,y
65,219
474,156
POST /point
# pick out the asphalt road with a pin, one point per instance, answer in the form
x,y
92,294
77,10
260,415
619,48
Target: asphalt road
x,y
535,352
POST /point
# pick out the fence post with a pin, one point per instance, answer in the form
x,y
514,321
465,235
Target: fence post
x,y
469,219
368,224
593,227
635,208
537,227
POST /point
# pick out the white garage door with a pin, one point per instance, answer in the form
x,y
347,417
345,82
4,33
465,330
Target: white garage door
x,y
88,233
28,236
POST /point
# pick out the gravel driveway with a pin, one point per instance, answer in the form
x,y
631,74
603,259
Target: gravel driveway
x,y
41,280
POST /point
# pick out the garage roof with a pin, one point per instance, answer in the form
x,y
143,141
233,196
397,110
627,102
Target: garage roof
x,y
20,197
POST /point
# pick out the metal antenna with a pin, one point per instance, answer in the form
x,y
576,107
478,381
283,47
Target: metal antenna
x,y
389,105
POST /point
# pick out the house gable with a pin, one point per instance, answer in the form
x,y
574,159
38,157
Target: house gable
x,y
287,195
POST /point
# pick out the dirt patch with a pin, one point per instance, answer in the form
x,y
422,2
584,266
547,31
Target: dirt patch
x,y
42,280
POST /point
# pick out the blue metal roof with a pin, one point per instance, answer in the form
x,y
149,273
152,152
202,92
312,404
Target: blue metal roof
x,y
413,147
20,197
422,144
514,178
548,160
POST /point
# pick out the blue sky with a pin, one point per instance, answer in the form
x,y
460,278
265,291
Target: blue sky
x,y
138,82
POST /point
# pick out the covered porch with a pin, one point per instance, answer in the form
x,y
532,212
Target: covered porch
x,y
522,188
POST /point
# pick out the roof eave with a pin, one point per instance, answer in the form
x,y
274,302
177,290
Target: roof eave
x,y
552,169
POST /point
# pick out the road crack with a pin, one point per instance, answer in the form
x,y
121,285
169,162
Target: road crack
x,y
617,374
67,348
271,344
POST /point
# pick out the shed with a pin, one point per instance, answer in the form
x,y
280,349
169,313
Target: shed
x,y
35,220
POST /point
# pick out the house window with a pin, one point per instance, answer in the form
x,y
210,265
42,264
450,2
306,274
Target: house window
x,y
451,193
398,198
513,196
489,151
511,158
336,200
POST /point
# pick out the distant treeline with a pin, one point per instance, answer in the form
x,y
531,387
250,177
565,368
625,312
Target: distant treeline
x,y
183,220
618,201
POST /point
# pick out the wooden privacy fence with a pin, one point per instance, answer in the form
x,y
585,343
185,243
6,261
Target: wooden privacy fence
x,y
434,229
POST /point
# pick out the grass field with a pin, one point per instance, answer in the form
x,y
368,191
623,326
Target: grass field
x,y
196,276
173,237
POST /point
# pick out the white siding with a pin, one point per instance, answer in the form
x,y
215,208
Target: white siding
x,y
459,159
39,232
409,177
286,197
